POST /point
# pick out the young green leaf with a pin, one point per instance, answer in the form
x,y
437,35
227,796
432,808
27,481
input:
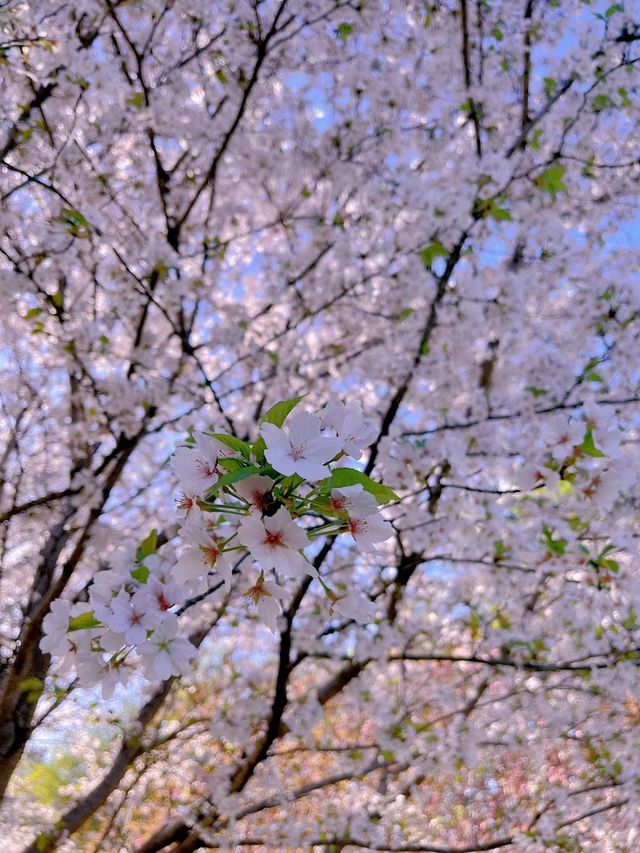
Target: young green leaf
x,y
350,477
84,621
147,546
431,252
141,573
232,443
550,181
588,447
235,477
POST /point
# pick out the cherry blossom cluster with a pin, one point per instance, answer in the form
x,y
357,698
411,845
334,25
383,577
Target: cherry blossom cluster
x,y
129,624
269,501
581,458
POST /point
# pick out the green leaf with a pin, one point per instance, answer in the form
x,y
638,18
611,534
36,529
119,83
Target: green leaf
x,y
234,477
588,447
32,683
75,216
278,413
344,31
341,477
554,546
232,442
231,463
500,214
33,688
147,546
75,223
136,101
140,574
402,315
431,252
534,141
615,7
32,313
631,620
83,621
602,102
550,181
221,76
289,484
537,392
624,95
490,207
500,550
56,298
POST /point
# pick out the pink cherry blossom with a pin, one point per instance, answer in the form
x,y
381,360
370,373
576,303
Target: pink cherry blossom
x,y
301,448
203,555
254,489
356,607
196,466
165,653
267,596
276,542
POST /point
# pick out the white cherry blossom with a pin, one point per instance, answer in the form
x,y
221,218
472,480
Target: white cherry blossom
x,y
301,448
203,555
196,466
369,529
355,431
163,596
165,653
55,625
354,500
275,542
563,436
267,596
356,607
133,616
94,668
254,489
186,502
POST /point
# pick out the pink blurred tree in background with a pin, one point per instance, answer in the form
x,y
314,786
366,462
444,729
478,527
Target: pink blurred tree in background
x,y
427,212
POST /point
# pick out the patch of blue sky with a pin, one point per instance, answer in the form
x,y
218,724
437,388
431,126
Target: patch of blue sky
x,y
319,110
317,105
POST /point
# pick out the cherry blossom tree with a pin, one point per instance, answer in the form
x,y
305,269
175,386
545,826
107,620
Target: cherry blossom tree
x,y
318,475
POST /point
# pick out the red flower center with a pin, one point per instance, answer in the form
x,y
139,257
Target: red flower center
x,y
273,539
257,593
205,468
258,499
163,604
357,525
211,554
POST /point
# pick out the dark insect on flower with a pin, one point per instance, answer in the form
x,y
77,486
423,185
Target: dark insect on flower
x,y
270,504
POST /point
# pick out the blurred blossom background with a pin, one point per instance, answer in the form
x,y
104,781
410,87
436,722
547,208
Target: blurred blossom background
x,y
418,222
